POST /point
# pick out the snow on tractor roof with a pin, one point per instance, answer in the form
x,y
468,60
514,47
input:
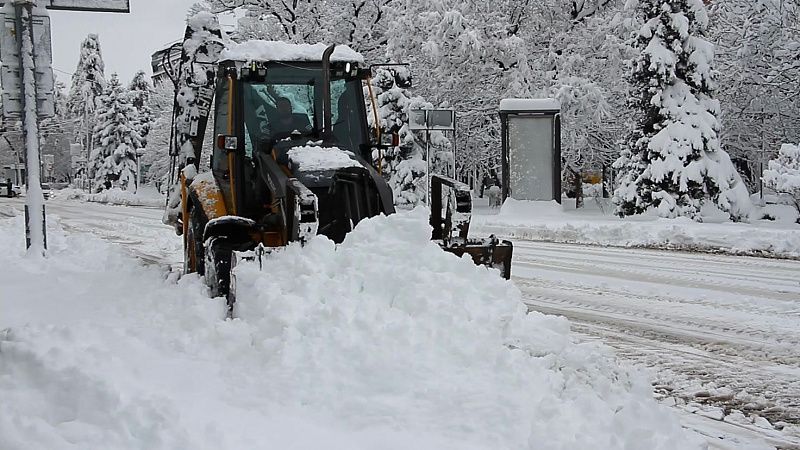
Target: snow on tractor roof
x,y
258,50
529,104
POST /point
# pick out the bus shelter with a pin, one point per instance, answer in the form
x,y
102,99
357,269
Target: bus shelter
x,y
531,149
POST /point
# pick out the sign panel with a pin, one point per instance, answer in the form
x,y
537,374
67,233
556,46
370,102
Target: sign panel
x,y
120,6
416,120
441,119
9,72
431,119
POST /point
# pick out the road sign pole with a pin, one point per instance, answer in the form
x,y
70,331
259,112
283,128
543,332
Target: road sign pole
x,y
35,232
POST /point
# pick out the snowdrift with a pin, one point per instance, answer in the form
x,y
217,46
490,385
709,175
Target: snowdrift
x,y
387,342
389,331
549,221
115,196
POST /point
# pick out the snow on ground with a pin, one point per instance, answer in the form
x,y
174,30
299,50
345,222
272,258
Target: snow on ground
x,y
717,333
358,351
595,224
146,196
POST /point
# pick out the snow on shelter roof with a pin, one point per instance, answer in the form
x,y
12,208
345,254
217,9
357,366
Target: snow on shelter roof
x,y
258,50
529,104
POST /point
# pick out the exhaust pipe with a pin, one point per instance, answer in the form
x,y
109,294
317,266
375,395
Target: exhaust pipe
x,y
327,115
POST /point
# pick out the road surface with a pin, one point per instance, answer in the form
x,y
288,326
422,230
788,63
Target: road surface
x,y
716,333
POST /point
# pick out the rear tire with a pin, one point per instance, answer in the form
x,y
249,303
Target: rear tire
x,y
218,266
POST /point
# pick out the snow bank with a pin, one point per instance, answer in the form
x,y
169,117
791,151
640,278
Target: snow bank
x,y
389,332
549,221
312,158
351,349
530,104
115,196
259,50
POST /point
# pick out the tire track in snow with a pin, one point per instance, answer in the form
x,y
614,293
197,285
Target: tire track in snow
x,y
704,324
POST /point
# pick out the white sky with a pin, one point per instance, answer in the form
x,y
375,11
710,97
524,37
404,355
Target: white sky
x,y
126,40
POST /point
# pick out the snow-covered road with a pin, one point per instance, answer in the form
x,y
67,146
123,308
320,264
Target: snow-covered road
x,y
139,229
719,333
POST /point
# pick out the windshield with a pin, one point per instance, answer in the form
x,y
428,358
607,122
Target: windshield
x,y
290,99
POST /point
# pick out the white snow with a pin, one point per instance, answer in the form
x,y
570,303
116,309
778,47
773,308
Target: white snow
x,y
389,331
529,104
259,50
311,158
145,196
595,224
356,349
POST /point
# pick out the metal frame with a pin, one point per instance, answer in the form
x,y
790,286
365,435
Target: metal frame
x,y
505,159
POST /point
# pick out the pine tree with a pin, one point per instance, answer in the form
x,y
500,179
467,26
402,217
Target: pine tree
x,y
113,158
673,160
88,83
140,91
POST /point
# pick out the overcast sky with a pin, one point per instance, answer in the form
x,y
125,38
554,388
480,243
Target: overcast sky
x,y
126,40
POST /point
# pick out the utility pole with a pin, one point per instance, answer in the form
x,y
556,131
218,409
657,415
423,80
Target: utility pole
x,y
35,232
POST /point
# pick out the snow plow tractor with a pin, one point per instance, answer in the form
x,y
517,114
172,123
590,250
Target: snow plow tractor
x,y
292,157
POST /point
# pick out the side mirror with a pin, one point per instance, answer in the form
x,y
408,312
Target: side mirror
x,y
227,143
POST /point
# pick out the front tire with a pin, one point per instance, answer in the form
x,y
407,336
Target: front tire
x,y
193,251
218,266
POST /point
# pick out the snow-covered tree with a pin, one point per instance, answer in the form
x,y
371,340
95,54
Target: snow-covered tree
x,y
783,174
140,91
156,160
404,166
673,161
757,45
113,158
88,83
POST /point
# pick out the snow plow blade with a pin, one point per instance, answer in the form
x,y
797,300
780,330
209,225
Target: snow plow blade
x,y
490,252
451,212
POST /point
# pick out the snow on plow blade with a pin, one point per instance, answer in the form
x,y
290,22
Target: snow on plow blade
x,y
451,212
490,252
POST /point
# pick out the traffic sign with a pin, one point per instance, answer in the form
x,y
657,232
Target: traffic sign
x,y
9,71
120,6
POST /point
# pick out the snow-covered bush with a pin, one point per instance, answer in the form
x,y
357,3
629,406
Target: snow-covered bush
x,y
673,161
783,174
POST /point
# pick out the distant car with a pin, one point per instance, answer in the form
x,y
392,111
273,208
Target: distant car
x,y
4,190
46,191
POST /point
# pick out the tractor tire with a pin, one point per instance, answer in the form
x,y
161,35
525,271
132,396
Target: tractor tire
x,y
218,266
193,251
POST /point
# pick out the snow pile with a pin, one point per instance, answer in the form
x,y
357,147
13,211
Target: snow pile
x,y
783,174
530,104
259,50
389,332
115,196
549,221
312,158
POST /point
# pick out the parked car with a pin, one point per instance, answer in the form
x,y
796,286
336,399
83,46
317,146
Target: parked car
x,y
46,190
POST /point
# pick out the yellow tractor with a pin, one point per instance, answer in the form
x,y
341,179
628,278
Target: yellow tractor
x,y
292,157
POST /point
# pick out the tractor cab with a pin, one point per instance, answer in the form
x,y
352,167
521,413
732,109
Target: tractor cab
x,y
300,115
